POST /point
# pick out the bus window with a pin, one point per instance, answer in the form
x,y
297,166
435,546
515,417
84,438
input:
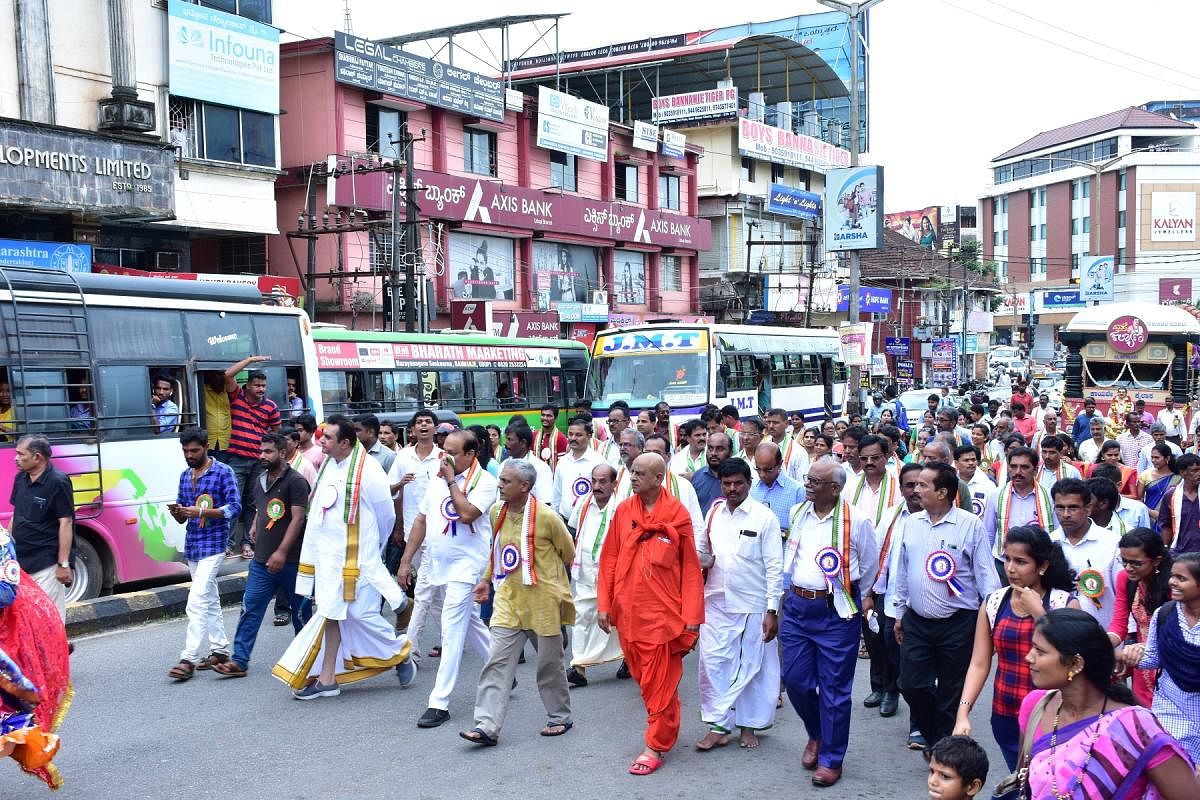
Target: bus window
x,y
276,384
124,402
401,390
278,337
50,333
537,388
779,373
810,371
744,374
484,387
452,389
335,397
297,403
510,386
220,337
429,388
574,383
141,335
81,408
167,392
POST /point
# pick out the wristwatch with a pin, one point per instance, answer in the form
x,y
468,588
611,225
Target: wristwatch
x,y
64,565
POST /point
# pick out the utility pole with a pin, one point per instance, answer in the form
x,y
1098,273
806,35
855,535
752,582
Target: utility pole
x,y
410,234
855,12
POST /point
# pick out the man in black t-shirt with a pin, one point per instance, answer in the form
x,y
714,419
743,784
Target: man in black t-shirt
x,y
43,524
280,496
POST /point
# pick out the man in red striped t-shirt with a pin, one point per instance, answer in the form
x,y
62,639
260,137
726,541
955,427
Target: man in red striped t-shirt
x,y
251,415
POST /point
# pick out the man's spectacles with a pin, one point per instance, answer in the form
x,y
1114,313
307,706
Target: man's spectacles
x,y
811,481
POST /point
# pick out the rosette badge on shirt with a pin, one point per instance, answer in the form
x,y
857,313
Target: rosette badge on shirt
x,y
275,512
203,503
510,559
581,487
941,567
1091,585
451,515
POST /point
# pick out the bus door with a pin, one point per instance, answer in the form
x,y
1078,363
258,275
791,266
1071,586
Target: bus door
x,y
825,371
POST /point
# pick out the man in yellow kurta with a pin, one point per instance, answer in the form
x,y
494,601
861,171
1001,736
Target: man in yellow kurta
x,y
531,555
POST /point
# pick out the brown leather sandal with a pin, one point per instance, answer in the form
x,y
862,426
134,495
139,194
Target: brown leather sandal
x,y
230,669
212,660
182,671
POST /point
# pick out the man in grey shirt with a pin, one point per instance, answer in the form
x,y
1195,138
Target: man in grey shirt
x,y
945,570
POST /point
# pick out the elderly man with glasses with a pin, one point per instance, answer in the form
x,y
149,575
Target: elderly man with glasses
x,y
772,487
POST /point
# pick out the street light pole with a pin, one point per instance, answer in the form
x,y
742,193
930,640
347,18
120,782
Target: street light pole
x,y
855,12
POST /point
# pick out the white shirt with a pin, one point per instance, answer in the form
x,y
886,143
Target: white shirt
x,y
1047,478
1173,420
684,462
810,534
796,461
457,551
423,470
885,585
570,475
1144,462
1089,451
1133,512
589,538
1097,550
543,487
747,550
983,492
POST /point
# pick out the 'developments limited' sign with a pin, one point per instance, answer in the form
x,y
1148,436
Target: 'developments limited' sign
x,y
222,58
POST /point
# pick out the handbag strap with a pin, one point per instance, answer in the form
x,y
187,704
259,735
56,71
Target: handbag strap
x,y
1035,719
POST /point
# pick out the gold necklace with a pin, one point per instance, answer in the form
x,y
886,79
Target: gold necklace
x,y
1054,758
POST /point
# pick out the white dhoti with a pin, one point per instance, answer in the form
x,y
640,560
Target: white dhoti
x,y
341,568
739,672
589,644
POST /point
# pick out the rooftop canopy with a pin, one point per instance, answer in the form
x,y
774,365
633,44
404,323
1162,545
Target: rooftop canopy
x,y
1158,319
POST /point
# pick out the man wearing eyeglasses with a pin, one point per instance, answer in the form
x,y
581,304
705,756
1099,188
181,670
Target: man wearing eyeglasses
x,y
830,548
773,488
1091,550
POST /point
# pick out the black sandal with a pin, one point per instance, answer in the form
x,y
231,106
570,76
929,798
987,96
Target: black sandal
x,y
566,726
479,737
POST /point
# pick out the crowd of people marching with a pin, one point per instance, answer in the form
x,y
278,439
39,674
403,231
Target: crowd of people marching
x,y
1059,559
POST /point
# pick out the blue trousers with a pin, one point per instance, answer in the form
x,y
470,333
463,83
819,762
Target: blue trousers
x,y
261,585
1007,734
245,472
820,652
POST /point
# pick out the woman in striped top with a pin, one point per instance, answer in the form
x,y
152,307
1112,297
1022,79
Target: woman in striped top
x,y
1040,579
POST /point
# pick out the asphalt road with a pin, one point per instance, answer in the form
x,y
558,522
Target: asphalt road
x,y
133,734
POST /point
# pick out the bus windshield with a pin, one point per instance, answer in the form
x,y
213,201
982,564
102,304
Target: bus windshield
x,y
1110,374
679,379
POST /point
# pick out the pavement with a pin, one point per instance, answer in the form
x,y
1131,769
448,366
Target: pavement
x,y
132,733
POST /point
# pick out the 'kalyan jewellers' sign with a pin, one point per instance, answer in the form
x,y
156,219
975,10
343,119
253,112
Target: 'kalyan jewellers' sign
x,y
451,197
45,167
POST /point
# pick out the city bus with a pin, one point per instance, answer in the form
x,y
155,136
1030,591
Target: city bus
x,y
78,353
478,379
1142,348
750,367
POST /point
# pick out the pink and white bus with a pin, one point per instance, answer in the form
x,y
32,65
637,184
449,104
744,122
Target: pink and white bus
x,y
79,353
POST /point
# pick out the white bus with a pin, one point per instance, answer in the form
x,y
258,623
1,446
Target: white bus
x,y
686,365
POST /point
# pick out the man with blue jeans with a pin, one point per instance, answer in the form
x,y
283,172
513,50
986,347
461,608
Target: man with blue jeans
x,y
281,494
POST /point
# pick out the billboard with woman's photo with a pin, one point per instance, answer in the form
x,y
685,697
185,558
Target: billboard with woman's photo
x,y
481,267
920,226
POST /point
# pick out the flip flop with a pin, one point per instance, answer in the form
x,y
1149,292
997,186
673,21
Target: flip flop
x,y
230,669
182,671
566,726
644,765
479,737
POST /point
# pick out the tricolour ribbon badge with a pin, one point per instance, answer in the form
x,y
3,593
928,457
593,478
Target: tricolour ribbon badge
x,y
1091,585
203,503
940,567
829,560
510,559
451,515
275,512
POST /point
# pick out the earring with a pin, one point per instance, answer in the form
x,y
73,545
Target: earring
x,y
1042,572
1070,677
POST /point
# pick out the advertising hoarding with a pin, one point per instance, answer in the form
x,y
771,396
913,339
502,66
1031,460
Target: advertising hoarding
x,y
853,206
793,202
855,343
870,299
779,146
481,267
673,143
944,362
572,125
64,256
707,105
222,58
390,70
645,136
1173,216
922,226
1096,277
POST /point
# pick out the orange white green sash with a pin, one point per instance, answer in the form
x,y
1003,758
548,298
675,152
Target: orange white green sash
x,y
887,542
467,482
889,486
837,580
510,557
1042,506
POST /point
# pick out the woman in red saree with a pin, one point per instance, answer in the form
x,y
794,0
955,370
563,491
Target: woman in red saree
x,y
35,688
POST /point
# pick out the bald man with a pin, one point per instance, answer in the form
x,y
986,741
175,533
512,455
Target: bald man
x,y
650,589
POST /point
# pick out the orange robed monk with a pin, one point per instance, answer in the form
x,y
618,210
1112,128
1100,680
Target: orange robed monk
x,y
650,589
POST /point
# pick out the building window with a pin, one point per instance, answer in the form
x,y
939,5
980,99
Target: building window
x,y
626,182
670,274
380,251
259,10
1042,231
748,169
479,152
1004,237
242,254
1087,187
221,133
777,173
1087,224
668,192
1120,256
383,131
562,171
1075,226
1121,181
1121,218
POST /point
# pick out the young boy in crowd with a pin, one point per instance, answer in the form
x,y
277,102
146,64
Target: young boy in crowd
x,y
958,768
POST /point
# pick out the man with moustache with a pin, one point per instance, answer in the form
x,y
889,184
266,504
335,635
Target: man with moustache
x,y
589,524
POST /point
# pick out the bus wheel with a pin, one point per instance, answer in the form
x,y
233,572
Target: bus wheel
x,y
87,569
